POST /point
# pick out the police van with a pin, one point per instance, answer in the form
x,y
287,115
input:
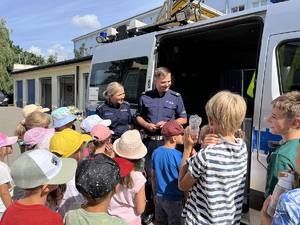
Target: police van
x,y
255,53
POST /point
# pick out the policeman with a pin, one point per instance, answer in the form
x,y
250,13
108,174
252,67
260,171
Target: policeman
x,y
115,109
156,107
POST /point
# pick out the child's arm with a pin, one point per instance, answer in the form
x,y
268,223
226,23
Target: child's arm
x,y
5,195
140,200
185,180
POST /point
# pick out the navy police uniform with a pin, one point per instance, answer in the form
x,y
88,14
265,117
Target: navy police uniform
x,y
120,117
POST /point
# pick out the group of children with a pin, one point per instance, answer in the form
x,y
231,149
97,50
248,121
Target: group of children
x,y
70,177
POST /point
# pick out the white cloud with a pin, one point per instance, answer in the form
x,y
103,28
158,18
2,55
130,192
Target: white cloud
x,y
88,21
58,50
35,50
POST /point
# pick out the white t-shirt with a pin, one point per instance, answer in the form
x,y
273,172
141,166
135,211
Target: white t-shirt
x,y
5,178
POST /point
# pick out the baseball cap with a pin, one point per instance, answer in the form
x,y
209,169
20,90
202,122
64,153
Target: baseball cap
x,y
6,141
96,176
101,132
125,166
88,123
37,167
67,141
62,116
32,108
37,135
172,128
130,145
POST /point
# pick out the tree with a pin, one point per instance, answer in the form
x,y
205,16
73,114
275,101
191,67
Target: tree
x,y
79,53
25,57
7,57
52,59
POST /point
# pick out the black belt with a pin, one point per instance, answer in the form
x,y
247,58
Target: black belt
x,y
153,137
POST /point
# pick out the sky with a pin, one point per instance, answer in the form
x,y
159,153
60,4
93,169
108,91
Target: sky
x,y
48,27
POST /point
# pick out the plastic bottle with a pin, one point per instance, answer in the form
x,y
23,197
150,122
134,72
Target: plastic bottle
x,y
285,183
195,122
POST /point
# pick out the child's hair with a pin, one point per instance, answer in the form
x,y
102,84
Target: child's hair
x,y
203,132
127,181
228,110
55,197
289,103
94,144
239,134
34,119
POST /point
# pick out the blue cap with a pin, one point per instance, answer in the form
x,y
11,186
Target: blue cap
x,y
61,117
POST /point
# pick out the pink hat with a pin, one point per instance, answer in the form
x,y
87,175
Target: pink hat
x,y
38,135
6,141
101,132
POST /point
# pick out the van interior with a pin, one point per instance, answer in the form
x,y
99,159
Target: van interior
x,y
204,61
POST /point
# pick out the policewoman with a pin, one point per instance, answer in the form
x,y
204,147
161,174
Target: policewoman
x,y
115,109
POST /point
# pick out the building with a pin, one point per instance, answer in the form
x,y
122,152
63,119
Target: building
x,y
55,85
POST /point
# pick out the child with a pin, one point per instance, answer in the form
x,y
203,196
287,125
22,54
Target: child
x,y
101,142
38,172
91,121
284,120
96,179
69,143
5,178
166,161
62,118
217,173
38,138
130,201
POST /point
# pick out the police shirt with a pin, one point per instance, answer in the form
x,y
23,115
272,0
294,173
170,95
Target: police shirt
x,y
120,116
154,108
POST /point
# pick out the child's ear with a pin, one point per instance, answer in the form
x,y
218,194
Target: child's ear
x,y
296,122
117,188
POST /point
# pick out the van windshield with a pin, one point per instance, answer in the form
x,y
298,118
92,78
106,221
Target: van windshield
x,y
131,73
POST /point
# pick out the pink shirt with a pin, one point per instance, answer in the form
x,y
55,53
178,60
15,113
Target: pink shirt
x,y
122,204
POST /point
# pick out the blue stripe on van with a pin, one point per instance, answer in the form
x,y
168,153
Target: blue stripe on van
x,y
265,138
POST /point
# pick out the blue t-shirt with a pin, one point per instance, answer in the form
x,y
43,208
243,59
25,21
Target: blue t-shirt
x,y
288,209
166,163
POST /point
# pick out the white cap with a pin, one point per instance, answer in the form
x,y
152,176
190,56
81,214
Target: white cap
x,y
88,123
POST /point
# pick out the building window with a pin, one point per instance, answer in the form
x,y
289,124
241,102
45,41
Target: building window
x,y
257,3
288,55
31,91
237,8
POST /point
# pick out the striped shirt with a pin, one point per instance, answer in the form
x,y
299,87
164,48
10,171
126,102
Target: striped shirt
x,y
220,173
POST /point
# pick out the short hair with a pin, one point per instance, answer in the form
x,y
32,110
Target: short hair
x,y
112,89
288,103
228,110
161,71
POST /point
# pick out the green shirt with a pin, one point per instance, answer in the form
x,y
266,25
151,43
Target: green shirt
x,y
281,159
82,217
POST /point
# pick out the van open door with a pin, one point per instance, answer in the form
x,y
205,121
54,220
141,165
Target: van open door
x,y
129,62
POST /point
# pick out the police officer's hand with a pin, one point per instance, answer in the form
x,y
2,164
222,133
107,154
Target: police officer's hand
x,y
151,127
160,124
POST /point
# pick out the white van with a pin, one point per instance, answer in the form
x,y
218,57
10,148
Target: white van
x,y
227,52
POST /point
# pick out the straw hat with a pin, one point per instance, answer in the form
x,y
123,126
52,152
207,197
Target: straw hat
x,y
130,145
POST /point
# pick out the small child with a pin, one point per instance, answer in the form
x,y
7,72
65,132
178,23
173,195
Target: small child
x,y
62,118
97,178
5,178
91,121
284,120
130,200
166,161
101,142
217,173
38,172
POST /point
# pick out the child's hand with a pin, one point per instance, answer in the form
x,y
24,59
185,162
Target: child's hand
x,y
109,150
210,139
265,219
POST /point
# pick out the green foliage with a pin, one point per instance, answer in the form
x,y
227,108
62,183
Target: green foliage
x,y
79,53
25,57
7,56
52,59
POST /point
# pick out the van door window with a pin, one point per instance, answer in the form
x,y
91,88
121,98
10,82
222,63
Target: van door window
x,y
289,65
131,73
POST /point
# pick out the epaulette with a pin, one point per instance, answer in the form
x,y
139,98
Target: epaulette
x,y
127,103
99,106
174,93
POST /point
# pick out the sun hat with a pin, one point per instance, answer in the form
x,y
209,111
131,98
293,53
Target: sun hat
x,y
172,128
100,132
37,135
88,123
130,145
96,176
67,141
32,108
37,167
62,116
125,166
6,141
